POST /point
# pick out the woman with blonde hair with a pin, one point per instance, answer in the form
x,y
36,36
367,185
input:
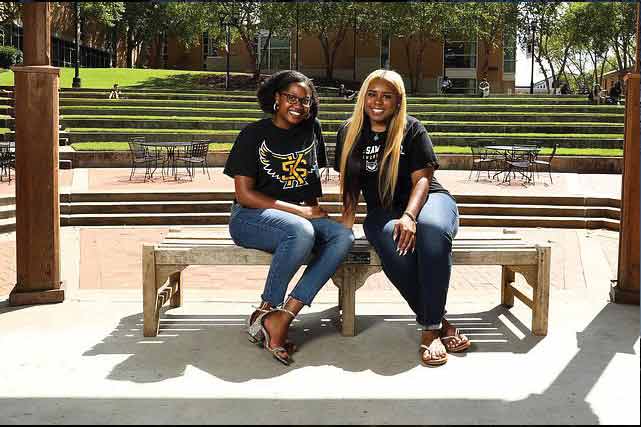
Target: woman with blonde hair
x,y
411,219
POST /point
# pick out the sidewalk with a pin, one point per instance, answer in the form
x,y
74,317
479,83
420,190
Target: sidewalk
x,y
456,181
85,360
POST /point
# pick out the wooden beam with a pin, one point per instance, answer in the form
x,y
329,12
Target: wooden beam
x,y
37,197
36,41
626,290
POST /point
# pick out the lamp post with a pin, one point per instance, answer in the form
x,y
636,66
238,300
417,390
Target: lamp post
x,y
76,79
226,22
533,27
297,22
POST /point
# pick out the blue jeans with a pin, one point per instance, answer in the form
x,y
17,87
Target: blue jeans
x,y
422,277
292,240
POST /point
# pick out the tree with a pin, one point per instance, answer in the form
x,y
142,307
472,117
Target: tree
x,y
329,22
543,16
419,23
494,21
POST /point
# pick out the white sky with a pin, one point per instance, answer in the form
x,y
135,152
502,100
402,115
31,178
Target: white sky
x,y
523,67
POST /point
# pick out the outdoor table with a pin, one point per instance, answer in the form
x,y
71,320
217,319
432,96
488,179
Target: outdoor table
x,y
170,149
512,154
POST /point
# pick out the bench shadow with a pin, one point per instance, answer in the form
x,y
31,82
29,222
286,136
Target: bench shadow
x,y
218,344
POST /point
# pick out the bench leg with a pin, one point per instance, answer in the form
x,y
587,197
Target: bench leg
x,y
149,295
507,278
177,297
348,307
541,294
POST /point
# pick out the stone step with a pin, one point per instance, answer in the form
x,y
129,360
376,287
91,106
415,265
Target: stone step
x,y
7,211
7,225
72,113
228,196
221,218
412,107
332,126
223,207
7,200
583,141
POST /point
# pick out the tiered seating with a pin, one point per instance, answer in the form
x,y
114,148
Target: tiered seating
x,y
88,116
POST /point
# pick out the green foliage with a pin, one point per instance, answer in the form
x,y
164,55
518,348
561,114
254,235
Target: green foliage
x,y
105,13
9,56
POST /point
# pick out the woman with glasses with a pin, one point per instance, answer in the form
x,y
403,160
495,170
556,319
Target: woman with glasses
x,y
275,163
411,219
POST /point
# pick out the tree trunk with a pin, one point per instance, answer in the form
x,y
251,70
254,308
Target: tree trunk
x,y
407,41
325,44
261,57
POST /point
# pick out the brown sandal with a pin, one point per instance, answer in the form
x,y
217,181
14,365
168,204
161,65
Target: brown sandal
x,y
432,361
463,345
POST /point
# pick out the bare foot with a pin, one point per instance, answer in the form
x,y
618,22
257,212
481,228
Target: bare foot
x,y
432,351
277,326
454,341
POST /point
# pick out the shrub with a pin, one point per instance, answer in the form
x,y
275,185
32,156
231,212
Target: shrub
x,y
9,56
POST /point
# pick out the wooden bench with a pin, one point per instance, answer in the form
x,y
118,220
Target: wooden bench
x,y
163,263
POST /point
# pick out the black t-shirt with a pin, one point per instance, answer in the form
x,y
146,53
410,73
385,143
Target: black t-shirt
x,y
417,153
284,162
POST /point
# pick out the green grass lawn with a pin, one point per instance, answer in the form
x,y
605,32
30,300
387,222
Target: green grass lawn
x,y
104,78
446,149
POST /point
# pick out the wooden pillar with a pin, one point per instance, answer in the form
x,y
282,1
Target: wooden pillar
x,y
626,290
37,198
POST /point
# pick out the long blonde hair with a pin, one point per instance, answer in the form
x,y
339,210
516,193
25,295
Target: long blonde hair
x,y
388,167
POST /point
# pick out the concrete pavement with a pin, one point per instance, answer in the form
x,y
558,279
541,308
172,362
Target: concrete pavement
x,y
85,361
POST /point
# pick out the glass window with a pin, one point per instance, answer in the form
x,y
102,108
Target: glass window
x,y
277,56
460,54
509,53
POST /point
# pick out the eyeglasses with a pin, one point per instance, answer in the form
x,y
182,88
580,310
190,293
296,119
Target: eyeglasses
x,y
305,101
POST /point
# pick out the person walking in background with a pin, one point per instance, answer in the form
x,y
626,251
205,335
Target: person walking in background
x,y
275,163
411,219
446,85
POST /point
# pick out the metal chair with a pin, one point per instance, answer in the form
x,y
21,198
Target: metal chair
x,y
545,163
140,155
482,160
520,162
7,161
196,154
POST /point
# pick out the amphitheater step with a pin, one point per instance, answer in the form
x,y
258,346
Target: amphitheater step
x,y
73,113
7,211
413,107
7,225
332,126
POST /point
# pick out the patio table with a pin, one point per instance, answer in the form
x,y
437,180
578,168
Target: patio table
x,y
515,158
170,148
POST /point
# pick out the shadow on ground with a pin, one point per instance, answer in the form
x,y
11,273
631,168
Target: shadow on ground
x,y
217,345
386,345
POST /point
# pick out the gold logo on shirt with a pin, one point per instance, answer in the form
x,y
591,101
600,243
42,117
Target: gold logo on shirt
x,y
293,169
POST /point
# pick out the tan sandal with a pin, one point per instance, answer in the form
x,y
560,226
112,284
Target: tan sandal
x,y
461,347
255,331
279,349
432,361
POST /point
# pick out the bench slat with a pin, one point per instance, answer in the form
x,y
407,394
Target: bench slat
x,y
234,255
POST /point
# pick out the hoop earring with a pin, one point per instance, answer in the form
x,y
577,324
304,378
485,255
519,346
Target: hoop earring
x,y
275,106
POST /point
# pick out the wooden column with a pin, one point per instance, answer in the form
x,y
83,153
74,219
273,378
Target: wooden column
x,y
37,198
626,290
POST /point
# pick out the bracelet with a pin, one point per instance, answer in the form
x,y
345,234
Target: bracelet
x,y
412,217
